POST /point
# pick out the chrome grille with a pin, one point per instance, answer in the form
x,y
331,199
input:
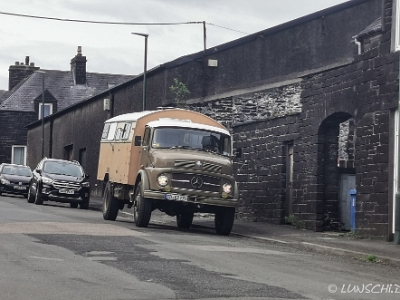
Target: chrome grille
x,y
183,181
66,185
188,164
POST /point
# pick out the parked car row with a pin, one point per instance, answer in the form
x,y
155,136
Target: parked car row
x,y
52,180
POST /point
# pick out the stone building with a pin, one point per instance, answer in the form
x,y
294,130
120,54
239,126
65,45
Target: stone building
x,y
312,103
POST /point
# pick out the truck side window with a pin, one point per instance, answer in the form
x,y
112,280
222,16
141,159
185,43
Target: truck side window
x,y
105,131
111,132
126,131
146,137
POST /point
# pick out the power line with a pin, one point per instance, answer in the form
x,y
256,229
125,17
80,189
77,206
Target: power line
x,y
226,28
113,23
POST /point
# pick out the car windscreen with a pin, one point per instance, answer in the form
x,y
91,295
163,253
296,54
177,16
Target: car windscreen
x,y
61,168
16,170
189,138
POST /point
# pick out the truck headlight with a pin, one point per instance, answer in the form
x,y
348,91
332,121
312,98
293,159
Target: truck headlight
x,y
227,188
162,180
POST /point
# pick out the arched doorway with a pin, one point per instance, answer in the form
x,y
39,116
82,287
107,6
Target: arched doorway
x,y
336,171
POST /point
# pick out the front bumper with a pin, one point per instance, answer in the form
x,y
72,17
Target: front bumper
x,y
212,200
52,194
13,188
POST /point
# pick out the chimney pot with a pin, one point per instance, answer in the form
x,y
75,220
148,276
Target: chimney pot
x,y
27,60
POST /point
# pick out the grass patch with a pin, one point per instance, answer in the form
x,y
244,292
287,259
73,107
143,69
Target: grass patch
x,y
295,222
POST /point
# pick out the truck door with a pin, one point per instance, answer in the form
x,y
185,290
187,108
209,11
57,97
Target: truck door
x,y
145,148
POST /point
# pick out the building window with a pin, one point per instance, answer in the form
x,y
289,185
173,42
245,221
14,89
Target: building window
x,y
48,109
18,155
397,26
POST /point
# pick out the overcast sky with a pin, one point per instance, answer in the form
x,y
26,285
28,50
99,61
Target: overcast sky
x,y
113,49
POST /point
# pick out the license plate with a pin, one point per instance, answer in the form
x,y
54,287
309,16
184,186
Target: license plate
x,y
17,187
176,197
66,191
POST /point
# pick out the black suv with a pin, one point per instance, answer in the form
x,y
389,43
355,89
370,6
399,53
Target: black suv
x,y
61,181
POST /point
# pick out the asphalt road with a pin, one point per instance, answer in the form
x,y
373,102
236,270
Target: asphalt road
x,y
55,252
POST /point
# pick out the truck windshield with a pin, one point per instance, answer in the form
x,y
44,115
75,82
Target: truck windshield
x,y
188,138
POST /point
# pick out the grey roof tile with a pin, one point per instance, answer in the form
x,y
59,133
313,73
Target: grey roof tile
x,y
374,27
61,85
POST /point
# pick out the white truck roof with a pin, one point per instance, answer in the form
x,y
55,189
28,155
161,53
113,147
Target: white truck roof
x,y
185,124
164,122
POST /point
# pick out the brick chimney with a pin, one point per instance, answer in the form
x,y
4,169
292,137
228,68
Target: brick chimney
x,y
19,72
78,67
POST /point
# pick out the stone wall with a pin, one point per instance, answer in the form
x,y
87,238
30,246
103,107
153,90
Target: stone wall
x,y
13,132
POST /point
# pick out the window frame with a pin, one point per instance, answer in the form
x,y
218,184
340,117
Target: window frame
x,y
13,155
40,109
396,28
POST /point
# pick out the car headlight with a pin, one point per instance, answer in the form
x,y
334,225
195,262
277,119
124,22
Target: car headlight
x,y
46,180
227,188
85,184
5,181
162,180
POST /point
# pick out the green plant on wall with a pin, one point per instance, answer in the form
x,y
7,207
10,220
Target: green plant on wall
x,y
296,222
180,91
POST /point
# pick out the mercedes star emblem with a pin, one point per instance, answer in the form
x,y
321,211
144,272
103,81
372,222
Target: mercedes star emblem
x,y
196,182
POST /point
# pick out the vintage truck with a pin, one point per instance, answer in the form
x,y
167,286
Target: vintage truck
x,y
174,160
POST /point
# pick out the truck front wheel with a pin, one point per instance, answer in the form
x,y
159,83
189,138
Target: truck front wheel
x,y
110,204
141,208
224,220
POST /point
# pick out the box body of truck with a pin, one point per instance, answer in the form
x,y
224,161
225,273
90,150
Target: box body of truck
x,y
174,160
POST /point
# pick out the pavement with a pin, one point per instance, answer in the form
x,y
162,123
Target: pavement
x,y
372,250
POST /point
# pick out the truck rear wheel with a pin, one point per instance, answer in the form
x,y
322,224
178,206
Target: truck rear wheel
x,y
184,220
110,204
224,220
141,208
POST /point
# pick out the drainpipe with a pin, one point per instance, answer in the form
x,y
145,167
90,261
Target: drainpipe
x,y
358,43
397,200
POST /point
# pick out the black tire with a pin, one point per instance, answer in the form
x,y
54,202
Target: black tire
x,y
224,219
84,204
38,196
184,220
141,208
110,204
73,205
30,198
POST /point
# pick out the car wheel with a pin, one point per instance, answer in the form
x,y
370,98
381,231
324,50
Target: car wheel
x,y
84,204
224,220
73,205
110,204
141,208
30,197
184,220
38,196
